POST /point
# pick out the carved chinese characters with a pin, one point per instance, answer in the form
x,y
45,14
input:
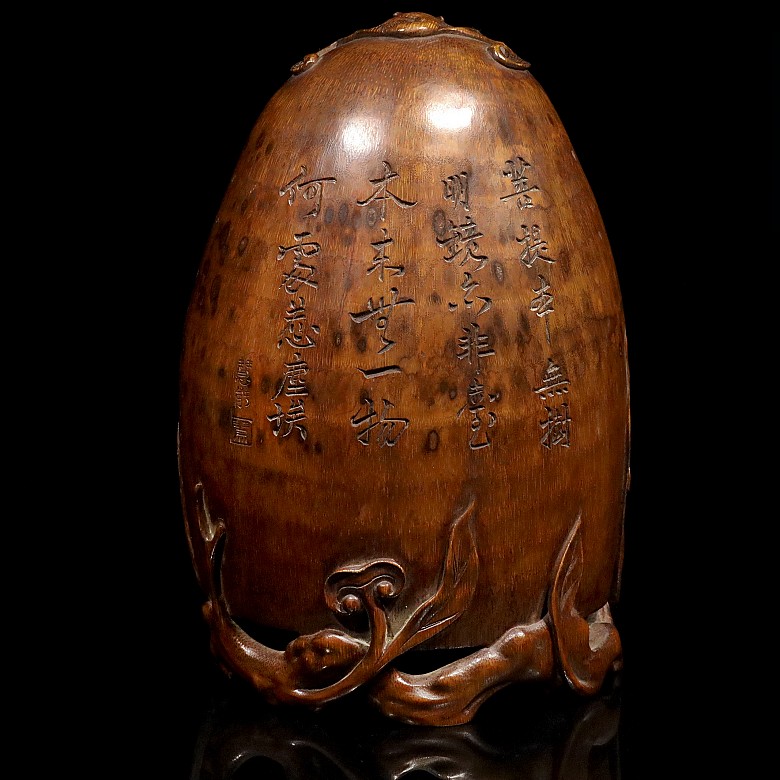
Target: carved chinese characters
x,y
242,433
457,235
556,427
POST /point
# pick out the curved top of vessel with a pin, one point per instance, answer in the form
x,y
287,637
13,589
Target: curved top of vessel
x,y
418,25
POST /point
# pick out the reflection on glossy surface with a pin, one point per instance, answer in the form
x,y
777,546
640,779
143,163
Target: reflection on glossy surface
x,y
544,735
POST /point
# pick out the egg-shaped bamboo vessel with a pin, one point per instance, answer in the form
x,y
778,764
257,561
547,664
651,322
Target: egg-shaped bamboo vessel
x,y
404,401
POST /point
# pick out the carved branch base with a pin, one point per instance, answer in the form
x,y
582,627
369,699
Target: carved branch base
x,y
583,649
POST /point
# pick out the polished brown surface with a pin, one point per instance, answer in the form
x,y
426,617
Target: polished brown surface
x,y
404,385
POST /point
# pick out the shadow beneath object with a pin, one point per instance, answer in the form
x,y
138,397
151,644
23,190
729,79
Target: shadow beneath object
x,y
539,733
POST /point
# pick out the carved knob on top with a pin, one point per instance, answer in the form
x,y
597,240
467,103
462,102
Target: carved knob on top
x,y
416,25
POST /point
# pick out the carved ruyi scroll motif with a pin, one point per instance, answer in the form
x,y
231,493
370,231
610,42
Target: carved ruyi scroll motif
x,y
317,668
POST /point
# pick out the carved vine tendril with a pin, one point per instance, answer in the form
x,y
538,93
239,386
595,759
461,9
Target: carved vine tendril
x,y
362,589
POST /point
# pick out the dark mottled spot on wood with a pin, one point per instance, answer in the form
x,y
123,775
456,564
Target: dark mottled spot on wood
x,y
499,331
400,327
200,297
265,384
343,213
260,441
498,271
505,132
223,242
435,298
439,223
372,215
259,140
318,448
244,205
364,395
523,335
226,418
242,245
337,338
269,147
216,284
432,441
221,372
453,392
361,344
328,215
444,386
232,314
450,350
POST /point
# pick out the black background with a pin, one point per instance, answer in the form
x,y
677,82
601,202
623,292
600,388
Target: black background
x,y
656,110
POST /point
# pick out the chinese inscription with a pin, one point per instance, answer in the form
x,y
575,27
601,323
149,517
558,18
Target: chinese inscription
x,y
390,428
298,332
372,425
516,171
310,189
382,193
241,423
381,262
554,387
460,242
